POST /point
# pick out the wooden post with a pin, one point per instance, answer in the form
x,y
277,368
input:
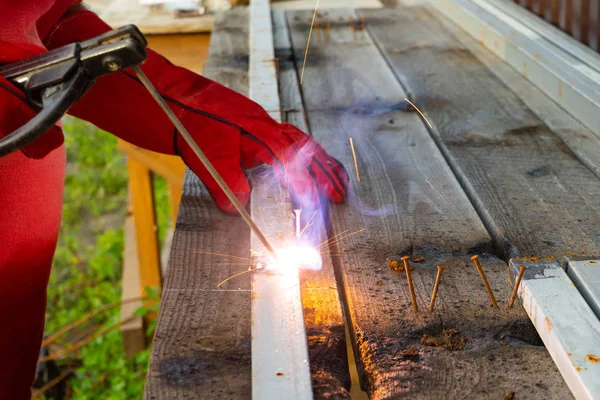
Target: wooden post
x,y
569,17
555,13
584,21
142,200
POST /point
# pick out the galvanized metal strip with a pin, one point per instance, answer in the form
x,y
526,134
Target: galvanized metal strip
x,y
280,366
585,274
565,322
561,40
262,76
569,82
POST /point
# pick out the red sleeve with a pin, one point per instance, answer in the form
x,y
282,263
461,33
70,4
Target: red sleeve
x,y
234,132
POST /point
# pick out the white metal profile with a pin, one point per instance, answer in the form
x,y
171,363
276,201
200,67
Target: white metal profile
x,y
280,366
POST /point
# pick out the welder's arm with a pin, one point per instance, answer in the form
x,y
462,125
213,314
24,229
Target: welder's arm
x,y
234,132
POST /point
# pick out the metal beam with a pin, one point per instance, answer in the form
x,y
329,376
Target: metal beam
x,y
280,366
565,322
567,80
585,274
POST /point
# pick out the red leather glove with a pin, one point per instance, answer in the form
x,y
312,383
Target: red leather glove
x,y
234,132
15,112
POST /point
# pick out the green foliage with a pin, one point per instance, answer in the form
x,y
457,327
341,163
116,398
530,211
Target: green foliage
x,y
88,264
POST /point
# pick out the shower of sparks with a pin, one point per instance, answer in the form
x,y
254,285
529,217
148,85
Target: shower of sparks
x,y
308,41
437,191
355,162
419,111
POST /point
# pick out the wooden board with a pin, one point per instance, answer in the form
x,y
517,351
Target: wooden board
x,y
189,51
585,274
286,5
202,344
409,203
565,322
152,20
531,191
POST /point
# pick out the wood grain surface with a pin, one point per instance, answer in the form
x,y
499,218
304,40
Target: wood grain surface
x,y
533,193
201,347
409,203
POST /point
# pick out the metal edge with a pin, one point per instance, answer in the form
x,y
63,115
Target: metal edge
x,y
280,364
566,324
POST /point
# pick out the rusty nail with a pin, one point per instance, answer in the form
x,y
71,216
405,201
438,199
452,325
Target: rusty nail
x,y
483,278
363,22
516,288
436,286
410,283
318,30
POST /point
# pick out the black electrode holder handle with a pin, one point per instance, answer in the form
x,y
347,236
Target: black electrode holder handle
x,y
54,81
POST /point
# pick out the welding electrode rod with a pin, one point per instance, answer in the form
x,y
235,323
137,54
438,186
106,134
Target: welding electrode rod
x,y
413,298
516,288
483,278
438,278
205,161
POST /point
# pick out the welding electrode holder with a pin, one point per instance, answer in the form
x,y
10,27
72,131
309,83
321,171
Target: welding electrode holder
x,y
54,81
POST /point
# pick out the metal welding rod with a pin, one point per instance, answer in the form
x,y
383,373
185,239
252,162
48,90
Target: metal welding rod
x,y
205,161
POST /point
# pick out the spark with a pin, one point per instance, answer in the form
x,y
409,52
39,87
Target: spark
x,y
309,223
439,194
334,240
355,162
419,111
308,41
236,275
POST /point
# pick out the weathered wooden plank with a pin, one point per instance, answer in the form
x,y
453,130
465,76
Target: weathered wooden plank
x,y
585,274
582,142
409,203
529,188
565,322
202,343
322,308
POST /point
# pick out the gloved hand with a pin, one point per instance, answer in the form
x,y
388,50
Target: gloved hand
x,y
234,132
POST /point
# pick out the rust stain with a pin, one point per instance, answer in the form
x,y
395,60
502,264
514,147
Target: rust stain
x,y
525,69
548,324
592,262
560,89
280,374
593,358
578,369
569,354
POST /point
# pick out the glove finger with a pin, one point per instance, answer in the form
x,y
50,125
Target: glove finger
x,y
331,179
330,175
